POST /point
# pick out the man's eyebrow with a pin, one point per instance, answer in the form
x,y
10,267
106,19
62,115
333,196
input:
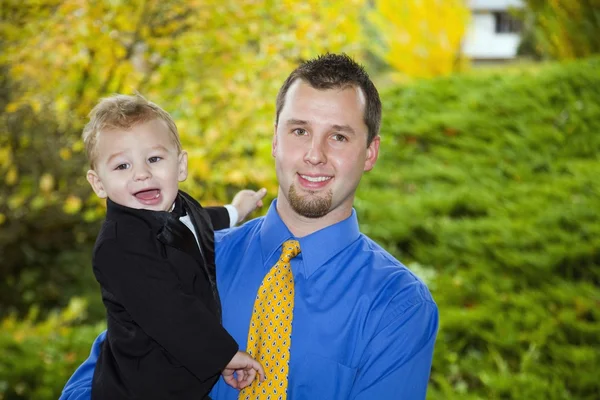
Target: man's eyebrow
x,y
340,128
293,121
343,128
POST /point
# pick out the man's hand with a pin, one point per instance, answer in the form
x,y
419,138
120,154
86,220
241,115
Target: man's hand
x,y
245,368
246,201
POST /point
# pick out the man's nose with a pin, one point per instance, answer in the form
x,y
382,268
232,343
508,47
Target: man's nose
x,y
315,154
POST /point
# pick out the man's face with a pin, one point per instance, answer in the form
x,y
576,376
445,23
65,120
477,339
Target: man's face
x,y
138,168
320,149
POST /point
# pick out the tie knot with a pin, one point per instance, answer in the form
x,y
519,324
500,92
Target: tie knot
x,y
291,249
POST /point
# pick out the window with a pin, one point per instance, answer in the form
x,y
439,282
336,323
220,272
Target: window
x,y
506,23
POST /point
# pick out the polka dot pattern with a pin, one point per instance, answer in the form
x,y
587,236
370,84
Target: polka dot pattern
x,y
269,335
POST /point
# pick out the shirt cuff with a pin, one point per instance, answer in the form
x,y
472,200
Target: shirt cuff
x,y
233,215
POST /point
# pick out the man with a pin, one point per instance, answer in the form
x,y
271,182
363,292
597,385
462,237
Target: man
x,y
362,326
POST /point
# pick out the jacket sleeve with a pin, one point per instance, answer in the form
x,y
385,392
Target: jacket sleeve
x,y
148,288
219,216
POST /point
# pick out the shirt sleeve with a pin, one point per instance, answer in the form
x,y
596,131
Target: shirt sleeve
x,y
79,385
398,359
150,291
233,214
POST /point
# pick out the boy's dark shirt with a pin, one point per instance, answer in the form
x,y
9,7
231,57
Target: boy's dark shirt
x,y
165,339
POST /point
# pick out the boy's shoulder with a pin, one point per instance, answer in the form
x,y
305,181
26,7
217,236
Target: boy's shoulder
x,y
125,235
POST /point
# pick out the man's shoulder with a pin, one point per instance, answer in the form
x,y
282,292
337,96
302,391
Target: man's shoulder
x,y
394,277
239,233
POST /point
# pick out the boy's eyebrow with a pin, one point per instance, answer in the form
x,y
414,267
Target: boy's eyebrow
x,y
159,147
115,155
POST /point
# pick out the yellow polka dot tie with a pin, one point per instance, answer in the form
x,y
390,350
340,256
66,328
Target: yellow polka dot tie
x,y
269,336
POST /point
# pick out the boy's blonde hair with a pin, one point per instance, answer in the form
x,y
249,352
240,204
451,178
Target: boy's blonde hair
x,y
121,111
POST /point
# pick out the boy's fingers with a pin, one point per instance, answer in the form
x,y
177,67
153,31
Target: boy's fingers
x,y
261,193
230,380
258,368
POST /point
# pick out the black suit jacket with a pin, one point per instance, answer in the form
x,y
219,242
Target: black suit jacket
x,y
165,339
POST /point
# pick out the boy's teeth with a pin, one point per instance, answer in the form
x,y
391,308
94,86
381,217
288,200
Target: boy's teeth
x,y
148,194
316,178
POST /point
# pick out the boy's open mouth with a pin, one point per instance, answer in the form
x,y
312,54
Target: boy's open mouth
x,y
148,194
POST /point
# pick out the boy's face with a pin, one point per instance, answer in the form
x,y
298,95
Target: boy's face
x,y
138,168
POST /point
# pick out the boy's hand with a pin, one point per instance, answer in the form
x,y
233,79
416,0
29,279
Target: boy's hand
x,y
246,201
245,368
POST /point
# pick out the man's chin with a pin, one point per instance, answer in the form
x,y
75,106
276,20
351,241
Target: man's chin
x,y
310,205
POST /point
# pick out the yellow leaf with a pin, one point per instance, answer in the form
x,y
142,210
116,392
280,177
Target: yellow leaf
x,y
46,183
11,176
12,107
72,204
65,153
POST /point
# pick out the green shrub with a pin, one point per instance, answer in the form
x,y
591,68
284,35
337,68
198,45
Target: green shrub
x,y
490,183
38,356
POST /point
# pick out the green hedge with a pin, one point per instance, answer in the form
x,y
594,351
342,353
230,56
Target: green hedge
x,y
487,188
38,356
488,185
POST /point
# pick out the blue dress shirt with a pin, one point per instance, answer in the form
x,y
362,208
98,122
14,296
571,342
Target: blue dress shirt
x,y
364,326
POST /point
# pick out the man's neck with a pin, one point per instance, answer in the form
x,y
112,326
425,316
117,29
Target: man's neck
x,y
301,226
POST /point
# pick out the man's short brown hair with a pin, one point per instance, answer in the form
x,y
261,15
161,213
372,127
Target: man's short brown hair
x,y
121,111
337,71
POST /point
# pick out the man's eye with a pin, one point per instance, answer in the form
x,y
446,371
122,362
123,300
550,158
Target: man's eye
x,y
154,159
122,166
340,138
299,132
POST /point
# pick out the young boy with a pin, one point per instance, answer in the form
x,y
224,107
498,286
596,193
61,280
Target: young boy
x,y
154,260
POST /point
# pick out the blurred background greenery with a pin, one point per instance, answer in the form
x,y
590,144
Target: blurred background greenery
x,y
486,187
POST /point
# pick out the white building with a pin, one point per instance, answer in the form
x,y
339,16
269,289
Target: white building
x,y
494,34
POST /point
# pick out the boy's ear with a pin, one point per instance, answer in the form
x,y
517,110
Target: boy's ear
x,y
183,166
96,183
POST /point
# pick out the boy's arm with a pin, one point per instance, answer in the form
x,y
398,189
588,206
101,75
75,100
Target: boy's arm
x,y
149,290
79,385
220,217
243,203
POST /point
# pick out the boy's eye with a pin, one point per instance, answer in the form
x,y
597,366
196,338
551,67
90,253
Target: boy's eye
x,y
122,166
154,159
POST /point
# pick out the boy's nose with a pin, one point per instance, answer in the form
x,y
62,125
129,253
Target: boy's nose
x,y
141,174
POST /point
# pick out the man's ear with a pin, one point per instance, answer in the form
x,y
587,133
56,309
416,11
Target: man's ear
x,y
274,144
372,153
183,166
96,183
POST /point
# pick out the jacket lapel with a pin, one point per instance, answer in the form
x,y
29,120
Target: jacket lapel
x,y
205,232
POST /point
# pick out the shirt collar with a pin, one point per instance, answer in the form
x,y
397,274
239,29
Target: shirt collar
x,y
317,248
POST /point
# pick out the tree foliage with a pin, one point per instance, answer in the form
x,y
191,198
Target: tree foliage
x,y
215,65
563,29
420,38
